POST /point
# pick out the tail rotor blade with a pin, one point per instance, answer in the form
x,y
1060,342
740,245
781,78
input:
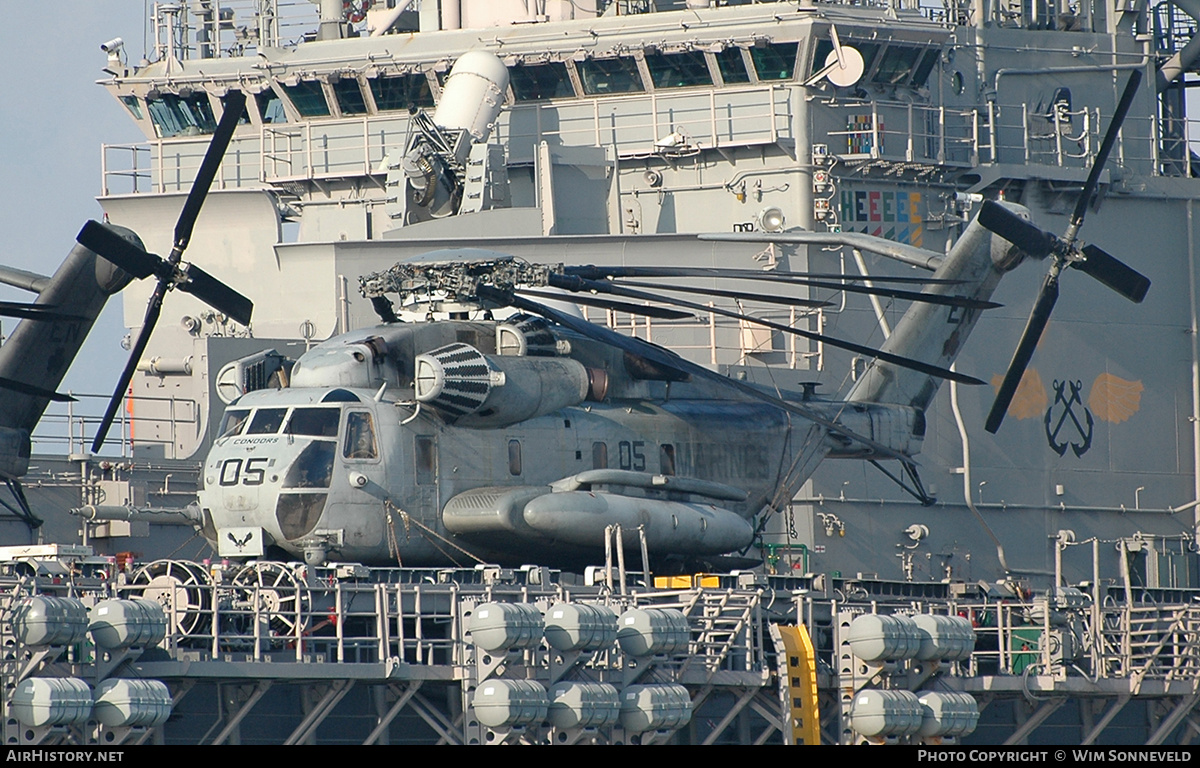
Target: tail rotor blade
x,y
1024,352
216,294
235,105
1113,273
1106,145
141,264
101,240
153,310
1029,238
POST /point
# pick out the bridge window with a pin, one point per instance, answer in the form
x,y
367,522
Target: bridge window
x,y
921,74
678,70
245,116
776,61
824,47
267,421
314,422
308,97
360,437
540,81
133,105
896,65
181,115
401,92
270,107
350,97
602,77
821,52
732,66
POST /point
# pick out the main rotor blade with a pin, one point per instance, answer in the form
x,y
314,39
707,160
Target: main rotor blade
x,y
1114,273
101,240
669,359
216,294
661,313
35,311
1024,352
604,287
740,295
892,293
592,272
235,105
29,389
153,310
1106,145
1021,233
896,293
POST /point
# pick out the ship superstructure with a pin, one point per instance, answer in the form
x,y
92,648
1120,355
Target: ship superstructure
x,y
616,134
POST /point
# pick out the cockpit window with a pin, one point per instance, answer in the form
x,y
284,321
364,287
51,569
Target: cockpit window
x,y
360,436
233,422
181,115
267,421
313,468
315,422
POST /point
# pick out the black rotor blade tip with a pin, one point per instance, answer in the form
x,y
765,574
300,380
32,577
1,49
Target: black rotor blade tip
x,y
235,104
1021,233
1113,273
102,240
1034,327
217,295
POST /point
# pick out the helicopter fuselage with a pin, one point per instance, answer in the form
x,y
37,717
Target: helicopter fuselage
x,y
336,473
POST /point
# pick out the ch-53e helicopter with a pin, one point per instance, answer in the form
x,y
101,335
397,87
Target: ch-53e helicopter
x,y
523,438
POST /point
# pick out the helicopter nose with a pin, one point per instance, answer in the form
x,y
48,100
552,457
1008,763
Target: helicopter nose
x,y
305,490
284,498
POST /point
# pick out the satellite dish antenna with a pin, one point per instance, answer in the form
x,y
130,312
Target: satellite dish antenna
x,y
844,66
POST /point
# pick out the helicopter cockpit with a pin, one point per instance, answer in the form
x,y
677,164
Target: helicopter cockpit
x,y
273,466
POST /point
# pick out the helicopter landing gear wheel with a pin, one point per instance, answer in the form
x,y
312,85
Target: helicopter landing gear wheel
x,y
278,593
184,591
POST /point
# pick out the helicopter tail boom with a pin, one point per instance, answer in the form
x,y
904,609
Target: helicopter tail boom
x,y
933,333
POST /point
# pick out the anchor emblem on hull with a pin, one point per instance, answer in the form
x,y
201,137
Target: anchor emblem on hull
x,y
1055,424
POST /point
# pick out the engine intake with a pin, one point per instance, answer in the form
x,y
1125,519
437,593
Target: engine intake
x,y
486,391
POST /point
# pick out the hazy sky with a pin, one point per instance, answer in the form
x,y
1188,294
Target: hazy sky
x,y
53,119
